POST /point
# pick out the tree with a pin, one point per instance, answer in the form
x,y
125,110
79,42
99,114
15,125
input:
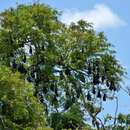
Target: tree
x,y
19,109
67,65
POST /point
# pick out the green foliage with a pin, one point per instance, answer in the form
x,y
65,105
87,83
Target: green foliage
x,y
70,119
63,63
121,118
122,122
19,109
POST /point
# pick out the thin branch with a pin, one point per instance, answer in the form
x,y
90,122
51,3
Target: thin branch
x,y
114,123
103,127
2,122
92,115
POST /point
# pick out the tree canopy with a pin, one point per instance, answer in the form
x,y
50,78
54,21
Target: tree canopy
x,y
19,109
71,68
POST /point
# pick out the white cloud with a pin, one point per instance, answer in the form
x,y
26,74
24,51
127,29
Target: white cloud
x,y
101,16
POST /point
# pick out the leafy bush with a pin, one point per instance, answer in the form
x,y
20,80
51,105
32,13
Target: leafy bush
x,y
19,109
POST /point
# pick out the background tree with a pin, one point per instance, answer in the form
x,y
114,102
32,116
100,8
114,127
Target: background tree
x,y
67,65
19,109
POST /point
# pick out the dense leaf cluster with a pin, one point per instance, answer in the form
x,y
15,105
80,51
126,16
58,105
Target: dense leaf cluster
x,y
19,109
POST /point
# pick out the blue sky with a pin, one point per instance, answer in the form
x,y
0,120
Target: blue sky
x,y
110,16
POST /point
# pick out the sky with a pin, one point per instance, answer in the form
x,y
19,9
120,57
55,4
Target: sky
x,y
111,17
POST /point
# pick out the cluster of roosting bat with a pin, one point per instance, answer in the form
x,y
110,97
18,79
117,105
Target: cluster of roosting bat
x,y
98,76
